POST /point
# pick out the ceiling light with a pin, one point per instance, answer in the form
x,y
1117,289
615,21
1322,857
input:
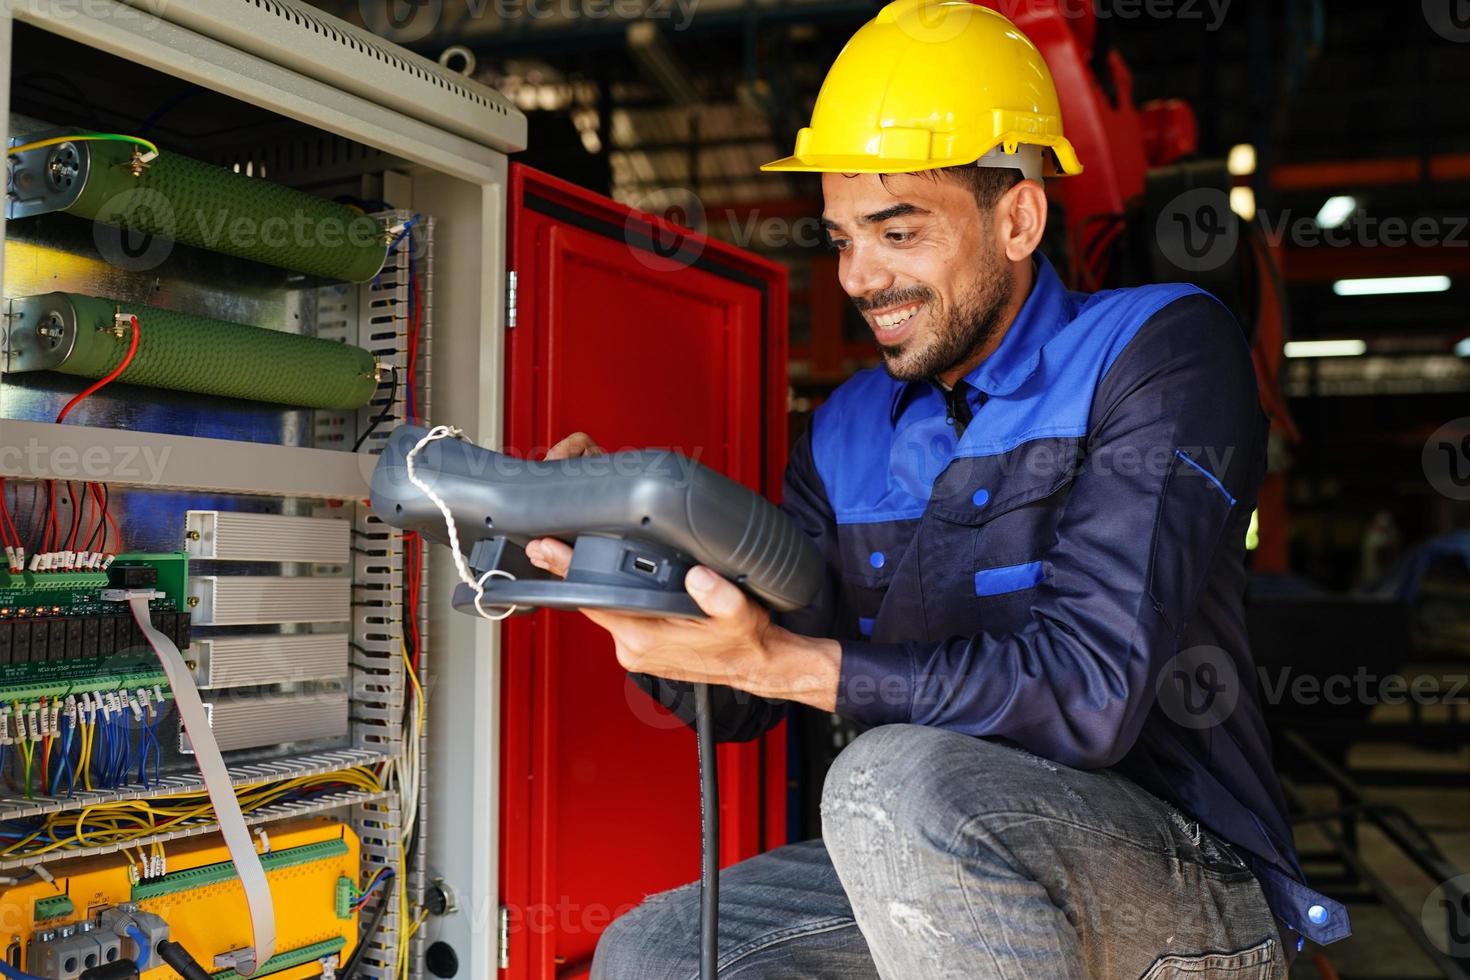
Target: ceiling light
x,y
1243,202
1325,348
1395,284
1242,160
1336,210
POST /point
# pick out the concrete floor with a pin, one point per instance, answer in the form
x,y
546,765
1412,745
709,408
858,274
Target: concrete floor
x,y
1379,946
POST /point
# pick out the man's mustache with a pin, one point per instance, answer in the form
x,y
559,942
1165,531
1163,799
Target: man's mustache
x,y
893,297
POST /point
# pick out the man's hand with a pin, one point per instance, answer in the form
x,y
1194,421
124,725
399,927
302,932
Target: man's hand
x,y
575,445
737,645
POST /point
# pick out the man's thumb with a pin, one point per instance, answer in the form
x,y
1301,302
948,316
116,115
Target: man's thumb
x,y
716,595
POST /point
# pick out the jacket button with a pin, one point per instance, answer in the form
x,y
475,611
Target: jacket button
x,y
876,559
1317,914
982,497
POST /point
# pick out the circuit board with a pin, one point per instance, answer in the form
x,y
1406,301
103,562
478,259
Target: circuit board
x,y
59,637
312,867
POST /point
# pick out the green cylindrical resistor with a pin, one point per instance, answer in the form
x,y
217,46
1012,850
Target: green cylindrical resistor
x,y
190,201
78,335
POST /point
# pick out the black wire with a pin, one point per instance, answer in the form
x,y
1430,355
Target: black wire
x,y
385,414
76,514
92,543
39,532
354,963
178,957
709,819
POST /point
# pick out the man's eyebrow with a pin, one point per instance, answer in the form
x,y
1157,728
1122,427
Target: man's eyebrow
x,y
897,211
877,217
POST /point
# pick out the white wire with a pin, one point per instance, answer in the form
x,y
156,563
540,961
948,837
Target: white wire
x,y
480,594
444,432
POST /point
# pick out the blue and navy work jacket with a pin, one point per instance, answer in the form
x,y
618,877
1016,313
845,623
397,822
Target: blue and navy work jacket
x,y
1068,573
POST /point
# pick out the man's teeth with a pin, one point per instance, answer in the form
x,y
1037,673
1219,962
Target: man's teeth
x,y
889,320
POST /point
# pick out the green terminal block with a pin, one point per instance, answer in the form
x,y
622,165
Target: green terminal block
x,y
58,678
284,961
346,895
54,907
213,874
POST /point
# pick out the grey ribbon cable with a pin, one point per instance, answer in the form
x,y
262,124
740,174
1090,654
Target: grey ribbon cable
x,y
221,791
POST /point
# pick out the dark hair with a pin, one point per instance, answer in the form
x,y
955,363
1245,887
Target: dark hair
x,y
986,183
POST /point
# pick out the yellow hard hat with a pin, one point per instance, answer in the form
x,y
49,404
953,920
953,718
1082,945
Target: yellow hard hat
x,y
933,83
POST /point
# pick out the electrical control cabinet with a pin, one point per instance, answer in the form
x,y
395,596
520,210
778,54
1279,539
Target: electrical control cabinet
x,y
242,242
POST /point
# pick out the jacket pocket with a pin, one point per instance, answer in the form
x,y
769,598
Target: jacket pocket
x,y
1009,578
1193,511
1255,963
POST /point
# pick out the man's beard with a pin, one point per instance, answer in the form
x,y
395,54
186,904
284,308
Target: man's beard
x,y
955,337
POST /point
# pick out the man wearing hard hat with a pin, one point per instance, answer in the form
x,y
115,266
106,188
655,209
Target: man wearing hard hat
x,y
1034,517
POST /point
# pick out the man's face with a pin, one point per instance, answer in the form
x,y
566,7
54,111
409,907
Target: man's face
x,y
921,263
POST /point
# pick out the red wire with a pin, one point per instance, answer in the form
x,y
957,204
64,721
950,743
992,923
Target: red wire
x,y
51,531
87,392
413,345
413,556
78,517
93,388
102,508
7,527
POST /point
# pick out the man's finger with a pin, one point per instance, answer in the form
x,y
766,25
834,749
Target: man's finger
x,y
716,595
551,555
574,445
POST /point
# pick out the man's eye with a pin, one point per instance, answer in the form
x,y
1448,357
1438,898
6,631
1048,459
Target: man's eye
x,y
899,236
838,244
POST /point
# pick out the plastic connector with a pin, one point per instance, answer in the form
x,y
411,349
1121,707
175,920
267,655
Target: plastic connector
x,y
140,932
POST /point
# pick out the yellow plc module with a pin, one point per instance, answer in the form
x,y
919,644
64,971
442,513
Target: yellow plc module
x,y
312,866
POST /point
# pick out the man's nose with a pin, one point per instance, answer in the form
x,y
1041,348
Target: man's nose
x,y
862,273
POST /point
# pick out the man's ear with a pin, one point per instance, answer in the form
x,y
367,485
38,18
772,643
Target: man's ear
x,y
1020,220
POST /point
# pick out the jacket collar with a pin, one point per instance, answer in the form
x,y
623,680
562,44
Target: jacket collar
x,y
1046,311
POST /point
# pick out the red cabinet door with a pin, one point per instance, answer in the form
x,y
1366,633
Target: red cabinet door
x,y
642,335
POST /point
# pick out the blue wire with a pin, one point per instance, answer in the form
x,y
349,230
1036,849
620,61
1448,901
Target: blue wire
x,y
144,953
13,973
157,746
367,892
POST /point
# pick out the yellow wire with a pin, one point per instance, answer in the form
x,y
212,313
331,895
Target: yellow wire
x,y
84,138
124,822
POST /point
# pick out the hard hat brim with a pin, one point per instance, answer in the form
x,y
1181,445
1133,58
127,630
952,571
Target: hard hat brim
x,y
1062,162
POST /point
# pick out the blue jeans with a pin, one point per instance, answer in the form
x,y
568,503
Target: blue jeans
x,y
948,856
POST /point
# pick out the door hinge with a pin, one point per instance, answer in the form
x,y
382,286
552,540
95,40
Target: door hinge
x,y
504,928
510,299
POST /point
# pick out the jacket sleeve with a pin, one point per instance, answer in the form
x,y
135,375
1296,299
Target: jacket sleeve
x,y
740,716
1171,457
